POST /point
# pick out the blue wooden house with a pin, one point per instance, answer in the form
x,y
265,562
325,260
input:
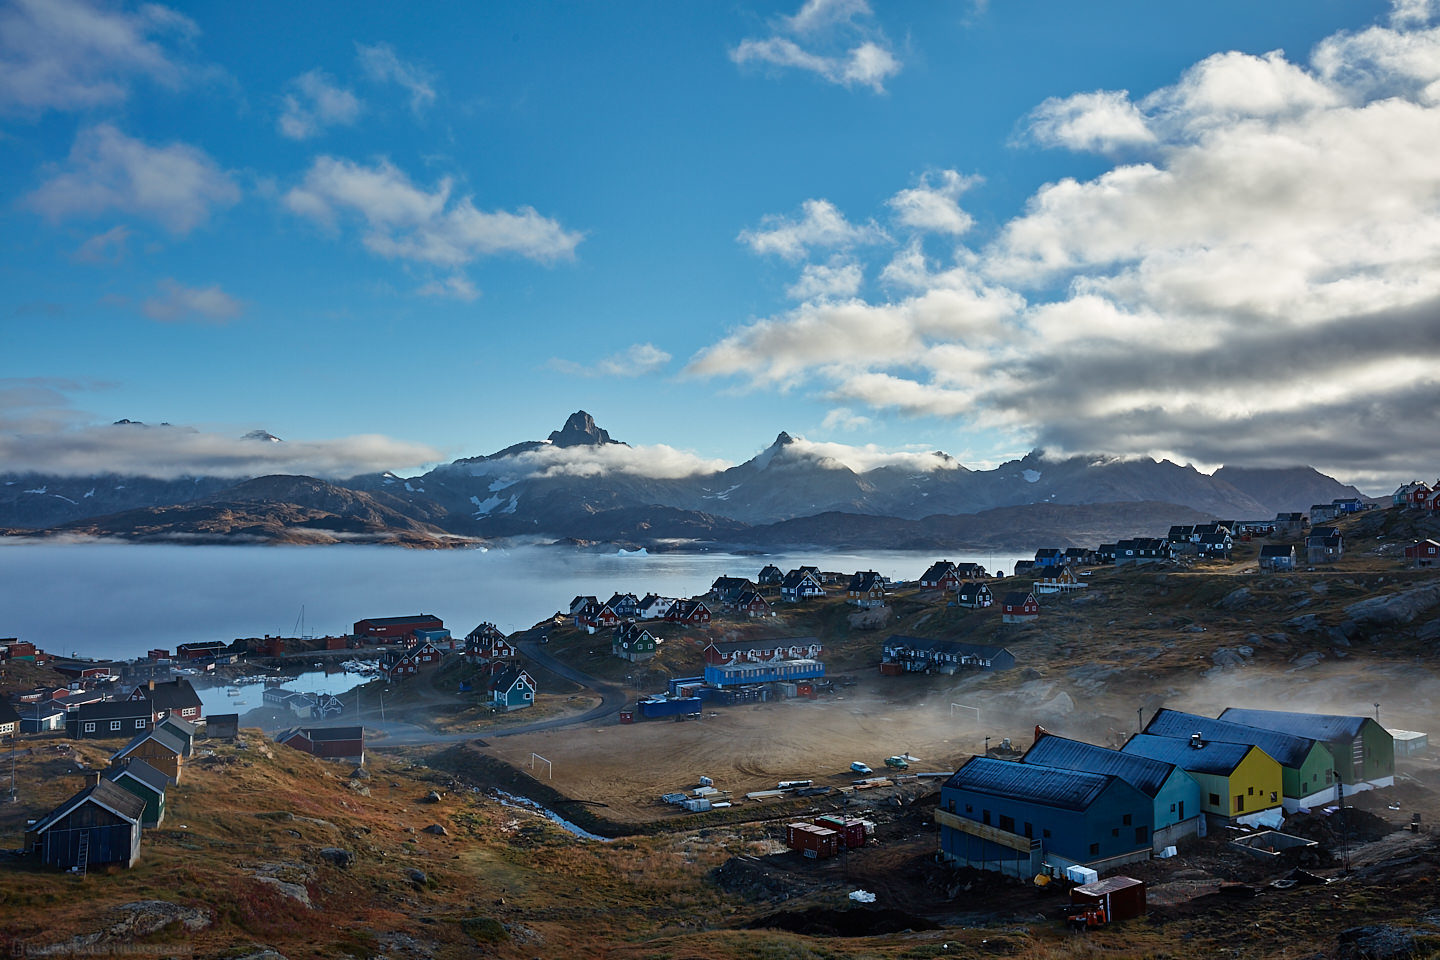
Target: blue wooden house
x,y
1174,794
1021,819
99,826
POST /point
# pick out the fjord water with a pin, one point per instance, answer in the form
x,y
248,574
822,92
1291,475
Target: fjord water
x,y
120,600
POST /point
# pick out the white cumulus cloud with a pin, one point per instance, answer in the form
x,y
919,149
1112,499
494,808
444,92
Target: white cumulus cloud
x,y
314,103
383,65
177,185
820,225
833,39
176,303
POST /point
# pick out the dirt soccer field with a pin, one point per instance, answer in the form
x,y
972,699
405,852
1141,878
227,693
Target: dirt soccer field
x,y
744,748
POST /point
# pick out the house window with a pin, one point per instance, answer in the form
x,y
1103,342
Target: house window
x,y
1094,849
1125,820
969,808
1029,831
1045,834
89,728
139,724
1007,823
952,805
1214,799
114,724
1115,832
1142,834
1329,777
1251,792
985,817
1272,796
1172,808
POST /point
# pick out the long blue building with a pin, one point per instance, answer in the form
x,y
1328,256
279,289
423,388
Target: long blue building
x,y
1022,819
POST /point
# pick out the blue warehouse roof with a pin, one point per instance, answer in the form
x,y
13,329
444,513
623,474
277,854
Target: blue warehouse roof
x,y
1142,773
1289,750
1034,783
1316,726
1214,756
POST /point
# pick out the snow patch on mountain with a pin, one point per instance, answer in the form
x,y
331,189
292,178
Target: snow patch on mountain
x,y
1031,476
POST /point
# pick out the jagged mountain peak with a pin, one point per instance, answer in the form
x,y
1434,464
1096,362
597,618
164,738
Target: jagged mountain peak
x,y
262,435
580,430
783,440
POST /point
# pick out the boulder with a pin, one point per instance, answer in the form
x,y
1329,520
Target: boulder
x,y
438,830
1235,599
294,891
1377,942
337,856
432,797
417,877
1395,608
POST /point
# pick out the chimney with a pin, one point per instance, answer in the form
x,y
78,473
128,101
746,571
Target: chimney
x,y
1196,742
152,683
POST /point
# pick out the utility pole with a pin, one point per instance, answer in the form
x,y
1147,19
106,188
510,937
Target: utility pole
x,y
1139,720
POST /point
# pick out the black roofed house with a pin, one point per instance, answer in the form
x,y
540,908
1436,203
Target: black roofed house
x,y
654,606
97,827
770,576
1079,556
512,689
1324,545
1173,793
1180,532
1019,606
487,642
145,782
974,595
1289,525
184,731
1059,580
1126,552
866,589
688,612
971,571
1277,556
330,743
9,719
1215,546
633,642
578,605
942,575
398,664
1403,493
625,605
1105,553
1049,557
752,604
174,696
1239,782
800,584
1012,817
920,655
1321,512
108,719
728,589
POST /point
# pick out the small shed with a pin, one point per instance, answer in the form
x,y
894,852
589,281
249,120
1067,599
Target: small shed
x,y
161,749
1410,743
222,726
98,826
1122,897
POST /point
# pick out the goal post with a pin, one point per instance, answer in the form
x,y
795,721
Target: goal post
x,y
549,769
963,706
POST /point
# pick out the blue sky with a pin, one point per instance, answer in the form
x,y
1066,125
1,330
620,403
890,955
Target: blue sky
x,y
398,234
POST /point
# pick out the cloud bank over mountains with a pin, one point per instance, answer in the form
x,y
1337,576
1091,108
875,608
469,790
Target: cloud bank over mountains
x,y
1255,279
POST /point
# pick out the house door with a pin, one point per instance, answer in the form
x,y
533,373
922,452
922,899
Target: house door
x,y
1182,809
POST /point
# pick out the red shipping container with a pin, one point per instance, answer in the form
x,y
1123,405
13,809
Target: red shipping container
x,y
1123,897
891,669
852,831
812,841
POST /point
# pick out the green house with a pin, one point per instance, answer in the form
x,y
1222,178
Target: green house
x,y
1363,752
633,643
147,783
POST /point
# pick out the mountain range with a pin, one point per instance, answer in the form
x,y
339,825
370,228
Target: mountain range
x,y
580,484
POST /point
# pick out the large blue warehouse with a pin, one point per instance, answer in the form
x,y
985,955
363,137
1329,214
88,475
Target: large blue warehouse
x,y
1021,818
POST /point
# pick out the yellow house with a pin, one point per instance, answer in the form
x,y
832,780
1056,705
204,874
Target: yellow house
x,y
1238,781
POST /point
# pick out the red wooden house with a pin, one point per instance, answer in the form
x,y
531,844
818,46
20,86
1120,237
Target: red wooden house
x,y
331,743
1423,553
752,604
688,611
397,665
942,575
1019,607
718,653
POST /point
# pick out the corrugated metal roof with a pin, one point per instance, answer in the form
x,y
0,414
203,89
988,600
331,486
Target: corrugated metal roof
x,y
1049,786
1142,773
1214,757
1316,726
1291,751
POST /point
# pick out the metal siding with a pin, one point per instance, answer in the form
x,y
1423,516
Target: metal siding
x,y
1261,771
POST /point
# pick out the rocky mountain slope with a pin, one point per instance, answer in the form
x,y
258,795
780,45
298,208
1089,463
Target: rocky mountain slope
x,y
580,483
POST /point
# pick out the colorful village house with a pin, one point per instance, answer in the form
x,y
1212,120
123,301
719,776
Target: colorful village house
x,y
1239,783
161,749
1019,607
512,689
145,782
97,827
1307,777
866,589
1361,750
